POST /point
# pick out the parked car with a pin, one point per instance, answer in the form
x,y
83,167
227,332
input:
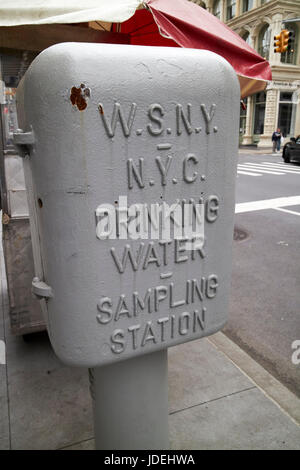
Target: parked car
x,y
291,150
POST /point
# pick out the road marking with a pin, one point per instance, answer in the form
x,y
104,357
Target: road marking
x,y
247,173
264,166
272,167
283,166
267,167
258,168
286,210
267,204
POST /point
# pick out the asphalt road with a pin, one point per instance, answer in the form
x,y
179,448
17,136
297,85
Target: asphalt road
x,y
265,301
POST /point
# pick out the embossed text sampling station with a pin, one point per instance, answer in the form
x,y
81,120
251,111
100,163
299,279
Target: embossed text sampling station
x,y
184,300
157,223
133,172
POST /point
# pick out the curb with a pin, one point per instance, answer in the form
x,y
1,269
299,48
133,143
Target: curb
x,y
261,151
287,401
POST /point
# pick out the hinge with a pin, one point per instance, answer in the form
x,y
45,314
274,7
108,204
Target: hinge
x,y
41,289
23,141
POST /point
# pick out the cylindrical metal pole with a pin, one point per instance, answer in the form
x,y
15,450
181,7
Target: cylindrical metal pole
x,y
131,403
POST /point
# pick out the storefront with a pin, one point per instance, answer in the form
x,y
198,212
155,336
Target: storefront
x,y
277,107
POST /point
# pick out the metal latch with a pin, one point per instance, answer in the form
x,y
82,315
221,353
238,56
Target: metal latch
x,y
41,289
23,141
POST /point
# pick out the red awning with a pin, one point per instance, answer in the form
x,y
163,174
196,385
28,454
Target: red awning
x,y
185,24
174,23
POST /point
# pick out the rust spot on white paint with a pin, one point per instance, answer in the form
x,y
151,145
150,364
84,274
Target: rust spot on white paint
x,y
79,95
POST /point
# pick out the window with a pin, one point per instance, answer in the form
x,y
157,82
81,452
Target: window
x,y
243,116
286,112
289,57
247,5
8,118
264,40
246,38
259,112
230,9
217,8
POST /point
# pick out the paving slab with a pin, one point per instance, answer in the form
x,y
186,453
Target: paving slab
x,y
50,404
243,420
274,389
193,368
199,373
246,420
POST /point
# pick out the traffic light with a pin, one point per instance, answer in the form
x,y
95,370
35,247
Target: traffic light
x,y
286,40
277,43
283,41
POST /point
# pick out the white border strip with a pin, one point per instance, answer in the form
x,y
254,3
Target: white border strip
x,y
2,353
267,204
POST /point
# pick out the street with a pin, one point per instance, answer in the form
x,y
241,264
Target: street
x,y
265,300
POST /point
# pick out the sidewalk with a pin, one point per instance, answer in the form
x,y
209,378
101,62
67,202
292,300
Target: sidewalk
x,y
219,398
257,151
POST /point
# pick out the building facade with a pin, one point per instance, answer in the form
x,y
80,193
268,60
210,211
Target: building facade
x,y
257,22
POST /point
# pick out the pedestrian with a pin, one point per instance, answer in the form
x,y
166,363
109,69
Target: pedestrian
x,y
276,139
